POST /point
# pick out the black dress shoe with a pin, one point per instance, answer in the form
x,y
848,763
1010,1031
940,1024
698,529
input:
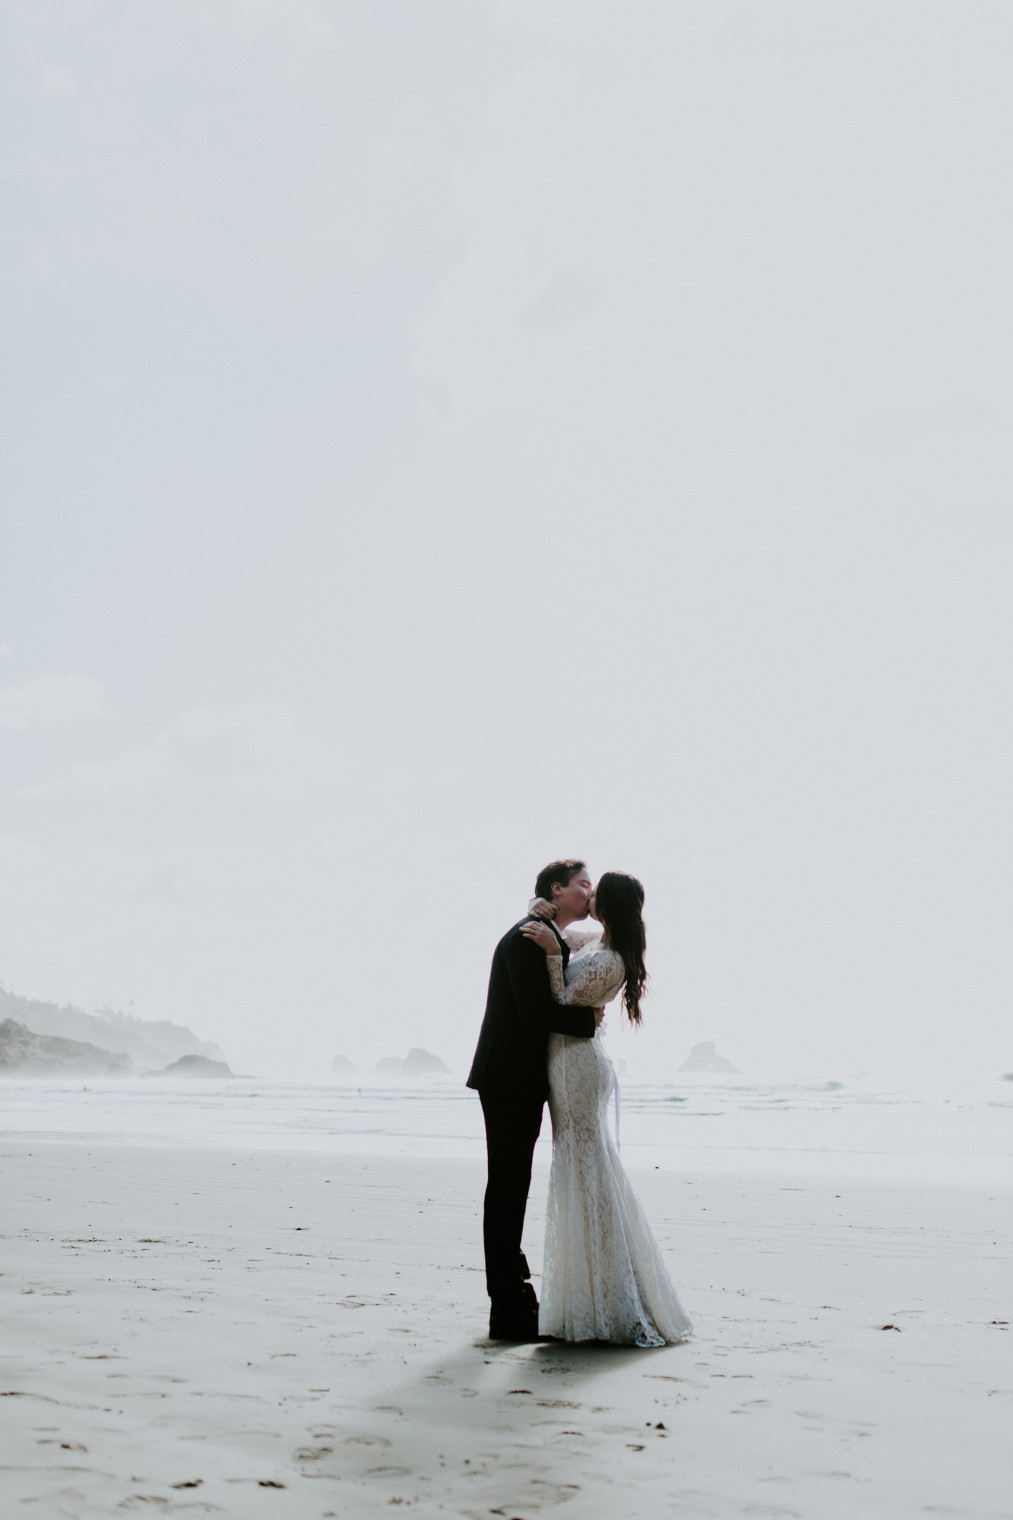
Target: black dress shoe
x,y
517,1326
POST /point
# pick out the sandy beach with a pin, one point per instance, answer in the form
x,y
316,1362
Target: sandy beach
x,y
215,1332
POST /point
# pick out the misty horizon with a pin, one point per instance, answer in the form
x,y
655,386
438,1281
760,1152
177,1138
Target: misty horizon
x,y
444,439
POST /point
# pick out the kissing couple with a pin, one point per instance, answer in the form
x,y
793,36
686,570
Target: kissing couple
x,y
603,1275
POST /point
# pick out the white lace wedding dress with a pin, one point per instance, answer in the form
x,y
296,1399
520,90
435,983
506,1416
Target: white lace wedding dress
x,y
603,1277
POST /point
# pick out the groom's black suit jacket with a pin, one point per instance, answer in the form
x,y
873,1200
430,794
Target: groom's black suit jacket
x,y
520,1013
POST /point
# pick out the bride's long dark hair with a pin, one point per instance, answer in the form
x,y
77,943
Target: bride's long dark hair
x,y
619,904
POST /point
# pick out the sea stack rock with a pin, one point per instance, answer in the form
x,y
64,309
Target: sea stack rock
x,y
421,1064
704,1057
389,1066
195,1066
341,1066
418,1063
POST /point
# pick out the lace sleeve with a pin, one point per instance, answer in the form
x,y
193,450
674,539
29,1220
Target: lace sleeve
x,y
591,982
578,938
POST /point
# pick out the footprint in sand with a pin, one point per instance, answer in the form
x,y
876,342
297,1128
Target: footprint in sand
x,y
159,1505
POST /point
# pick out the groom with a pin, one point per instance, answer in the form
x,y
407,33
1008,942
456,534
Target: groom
x,y
510,1074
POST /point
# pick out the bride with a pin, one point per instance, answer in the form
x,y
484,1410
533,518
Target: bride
x,y
603,1278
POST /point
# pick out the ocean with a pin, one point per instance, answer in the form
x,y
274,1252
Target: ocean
x,y
931,1133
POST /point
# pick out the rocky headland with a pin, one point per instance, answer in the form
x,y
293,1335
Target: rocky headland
x,y
45,1039
24,1053
147,1042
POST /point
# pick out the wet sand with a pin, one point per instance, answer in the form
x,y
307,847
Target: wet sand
x,y
246,1334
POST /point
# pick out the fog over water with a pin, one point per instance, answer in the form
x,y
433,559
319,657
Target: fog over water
x,y
946,1134
441,438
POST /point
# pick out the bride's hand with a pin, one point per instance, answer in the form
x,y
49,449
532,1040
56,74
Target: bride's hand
x,y
539,908
542,935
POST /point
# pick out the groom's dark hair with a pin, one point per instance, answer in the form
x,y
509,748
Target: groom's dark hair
x,y
562,871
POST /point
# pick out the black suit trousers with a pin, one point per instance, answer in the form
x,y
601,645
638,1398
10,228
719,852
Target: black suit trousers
x,y
512,1123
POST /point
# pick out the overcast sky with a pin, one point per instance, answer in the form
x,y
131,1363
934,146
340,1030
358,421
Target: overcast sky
x,y
443,436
